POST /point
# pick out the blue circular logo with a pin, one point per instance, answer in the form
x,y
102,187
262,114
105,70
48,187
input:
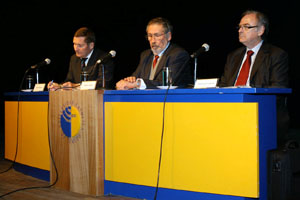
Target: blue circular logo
x,y
70,121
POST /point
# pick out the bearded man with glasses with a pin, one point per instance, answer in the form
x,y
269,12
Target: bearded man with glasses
x,y
162,53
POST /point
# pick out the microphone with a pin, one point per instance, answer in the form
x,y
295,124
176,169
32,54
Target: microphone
x,y
47,61
204,48
111,54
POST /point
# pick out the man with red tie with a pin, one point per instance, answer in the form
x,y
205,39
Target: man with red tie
x,y
269,64
162,53
258,64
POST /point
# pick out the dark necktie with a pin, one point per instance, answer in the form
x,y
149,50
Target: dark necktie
x,y
244,73
82,63
155,61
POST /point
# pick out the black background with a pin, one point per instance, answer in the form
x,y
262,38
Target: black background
x,y
34,30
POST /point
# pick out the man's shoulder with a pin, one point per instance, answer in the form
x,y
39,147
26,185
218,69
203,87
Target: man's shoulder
x,y
98,52
272,49
237,51
146,52
74,58
175,49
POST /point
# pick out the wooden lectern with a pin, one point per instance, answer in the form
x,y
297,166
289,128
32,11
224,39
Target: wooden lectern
x,y
76,137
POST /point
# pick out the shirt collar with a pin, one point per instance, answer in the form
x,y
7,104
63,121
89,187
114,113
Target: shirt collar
x,y
256,48
88,56
161,53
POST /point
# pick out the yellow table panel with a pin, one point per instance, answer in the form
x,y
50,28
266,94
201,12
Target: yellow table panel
x,y
33,148
207,147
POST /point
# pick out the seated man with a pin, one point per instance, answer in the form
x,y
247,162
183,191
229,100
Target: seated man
x,y
259,64
162,54
84,59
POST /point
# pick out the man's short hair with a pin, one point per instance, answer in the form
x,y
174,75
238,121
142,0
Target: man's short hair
x,y
163,21
262,20
87,33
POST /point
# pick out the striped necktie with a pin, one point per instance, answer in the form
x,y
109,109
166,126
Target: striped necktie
x,y
155,61
82,63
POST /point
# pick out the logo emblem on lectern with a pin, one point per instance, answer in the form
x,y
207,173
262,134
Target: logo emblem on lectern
x,y
70,121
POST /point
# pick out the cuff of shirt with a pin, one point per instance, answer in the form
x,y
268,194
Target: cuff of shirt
x,y
141,84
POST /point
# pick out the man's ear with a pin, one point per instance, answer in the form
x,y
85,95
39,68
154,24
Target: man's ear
x,y
169,36
91,45
261,30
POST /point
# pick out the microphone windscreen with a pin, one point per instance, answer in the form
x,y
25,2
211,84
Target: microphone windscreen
x,y
206,46
48,61
113,53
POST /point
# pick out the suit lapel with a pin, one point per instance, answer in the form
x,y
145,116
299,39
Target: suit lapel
x,y
89,66
160,65
77,70
162,61
258,60
236,66
148,63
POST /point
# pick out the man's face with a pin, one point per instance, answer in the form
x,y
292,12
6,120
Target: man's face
x,y
157,38
81,48
250,31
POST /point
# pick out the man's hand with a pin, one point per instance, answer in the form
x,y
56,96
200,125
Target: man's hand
x,y
70,85
53,86
130,79
126,83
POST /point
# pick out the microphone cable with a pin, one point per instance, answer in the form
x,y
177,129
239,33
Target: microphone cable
x,y
50,150
161,142
162,134
18,111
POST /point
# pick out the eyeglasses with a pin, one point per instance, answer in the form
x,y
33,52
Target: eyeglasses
x,y
245,27
155,36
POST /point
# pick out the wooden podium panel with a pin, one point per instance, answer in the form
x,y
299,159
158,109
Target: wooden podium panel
x,y
76,136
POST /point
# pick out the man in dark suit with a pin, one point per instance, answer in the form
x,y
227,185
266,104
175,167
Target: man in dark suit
x,y
162,54
84,60
268,65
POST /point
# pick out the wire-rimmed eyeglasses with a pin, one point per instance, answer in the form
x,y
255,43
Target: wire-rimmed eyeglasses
x,y
155,36
245,27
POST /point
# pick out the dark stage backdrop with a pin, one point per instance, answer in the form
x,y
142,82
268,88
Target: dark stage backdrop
x,y
34,30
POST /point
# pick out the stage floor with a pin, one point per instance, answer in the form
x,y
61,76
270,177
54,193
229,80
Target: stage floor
x,y
13,180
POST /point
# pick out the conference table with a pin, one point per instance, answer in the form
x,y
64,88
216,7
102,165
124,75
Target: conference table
x,y
177,144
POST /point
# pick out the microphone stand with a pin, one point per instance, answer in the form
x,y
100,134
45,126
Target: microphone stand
x,y
195,69
103,76
37,75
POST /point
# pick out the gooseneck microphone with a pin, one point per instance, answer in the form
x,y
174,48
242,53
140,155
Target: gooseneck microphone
x,y
47,61
204,48
111,54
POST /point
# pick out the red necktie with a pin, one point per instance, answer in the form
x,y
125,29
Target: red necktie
x,y
244,73
155,61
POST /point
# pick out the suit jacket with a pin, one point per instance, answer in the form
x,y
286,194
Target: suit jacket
x,y
95,71
175,57
270,68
